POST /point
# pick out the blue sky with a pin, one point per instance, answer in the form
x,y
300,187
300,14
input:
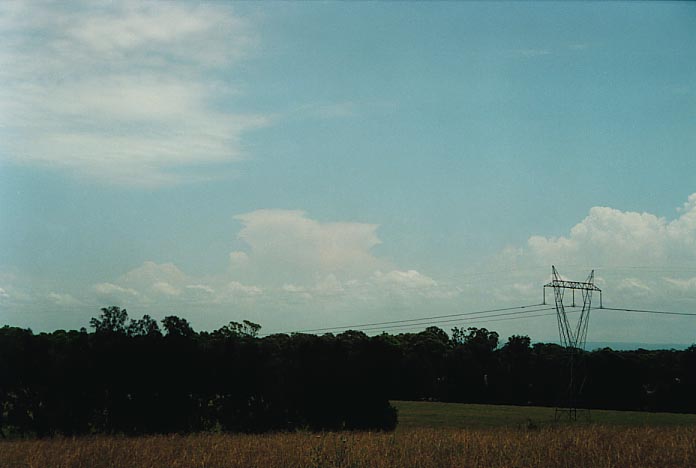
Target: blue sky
x,y
317,164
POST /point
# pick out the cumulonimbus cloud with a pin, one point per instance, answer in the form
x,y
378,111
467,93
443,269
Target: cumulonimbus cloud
x,y
624,238
296,245
290,256
635,254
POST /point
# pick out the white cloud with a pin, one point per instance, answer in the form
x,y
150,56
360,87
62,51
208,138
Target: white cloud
x,y
376,288
292,293
238,259
410,284
149,282
296,270
200,287
14,290
238,288
63,299
145,28
152,283
234,290
686,284
120,92
293,288
151,273
110,289
634,286
410,279
290,258
328,286
294,245
162,287
635,254
622,238
689,207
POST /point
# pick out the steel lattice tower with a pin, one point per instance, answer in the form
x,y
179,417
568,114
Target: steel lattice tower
x,y
573,338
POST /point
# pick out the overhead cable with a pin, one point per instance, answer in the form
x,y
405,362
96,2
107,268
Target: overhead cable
x,y
462,314
644,311
517,316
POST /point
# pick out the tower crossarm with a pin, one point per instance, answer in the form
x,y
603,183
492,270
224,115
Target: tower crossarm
x,y
572,285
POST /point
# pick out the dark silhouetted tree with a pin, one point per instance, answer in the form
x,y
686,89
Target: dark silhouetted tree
x,y
515,360
243,329
146,326
112,320
176,326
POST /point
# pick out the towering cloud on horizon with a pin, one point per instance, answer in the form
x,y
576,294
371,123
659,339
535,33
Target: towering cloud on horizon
x,y
635,254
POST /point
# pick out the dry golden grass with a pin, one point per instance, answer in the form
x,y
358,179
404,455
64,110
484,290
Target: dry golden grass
x,y
563,446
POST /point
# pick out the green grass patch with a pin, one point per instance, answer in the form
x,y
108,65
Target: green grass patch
x,y
425,414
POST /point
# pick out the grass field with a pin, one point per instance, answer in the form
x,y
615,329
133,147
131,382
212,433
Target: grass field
x,y
421,414
430,435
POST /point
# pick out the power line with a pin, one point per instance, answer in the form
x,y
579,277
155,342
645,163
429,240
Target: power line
x,y
644,311
462,314
477,317
672,268
475,320
427,321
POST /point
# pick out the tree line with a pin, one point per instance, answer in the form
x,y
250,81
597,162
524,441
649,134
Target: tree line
x,y
133,376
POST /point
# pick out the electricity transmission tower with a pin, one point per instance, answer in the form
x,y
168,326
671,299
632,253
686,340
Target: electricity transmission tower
x,y
573,338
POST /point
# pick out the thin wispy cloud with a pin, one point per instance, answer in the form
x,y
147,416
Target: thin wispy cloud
x,y
63,299
534,52
121,93
531,53
329,110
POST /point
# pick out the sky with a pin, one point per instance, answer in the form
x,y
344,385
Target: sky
x,y
318,164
